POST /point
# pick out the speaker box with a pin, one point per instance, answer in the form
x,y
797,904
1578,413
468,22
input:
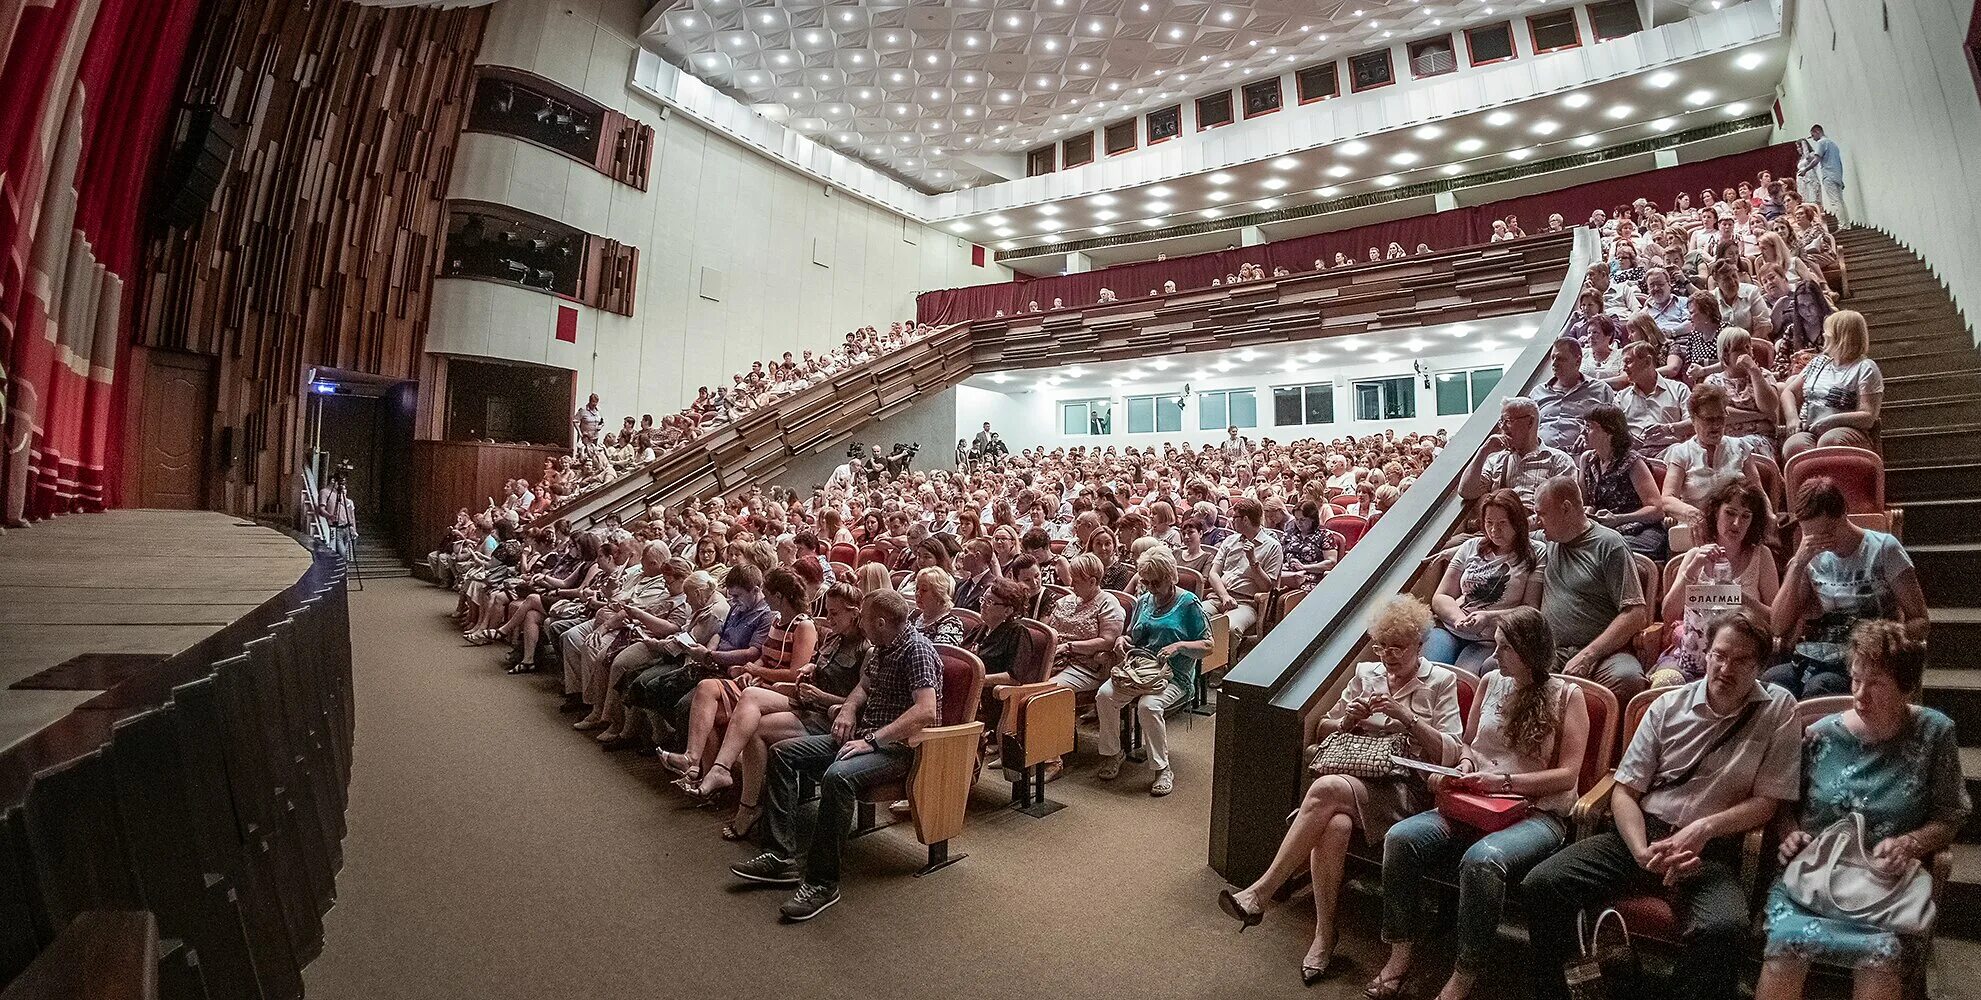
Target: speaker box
x,y
203,143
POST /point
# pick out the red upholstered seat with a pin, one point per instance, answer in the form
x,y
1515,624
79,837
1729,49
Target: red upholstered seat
x,y
962,686
845,552
1858,472
1351,528
1649,916
873,553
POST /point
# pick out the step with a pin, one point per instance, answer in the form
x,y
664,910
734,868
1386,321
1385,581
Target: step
x,y
1957,692
1932,411
1931,481
1941,522
1947,571
1932,445
1960,908
1915,360
1925,385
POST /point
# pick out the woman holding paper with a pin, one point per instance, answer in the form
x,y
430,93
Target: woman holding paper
x,y
1526,738
1734,554
1402,693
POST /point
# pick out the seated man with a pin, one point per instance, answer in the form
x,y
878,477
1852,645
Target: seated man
x,y
899,696
1653,405
1567,397
1711,761
1247,565
1592,597
1514,458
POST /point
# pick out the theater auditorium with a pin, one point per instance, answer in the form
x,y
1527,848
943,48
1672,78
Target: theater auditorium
x,y
1371,499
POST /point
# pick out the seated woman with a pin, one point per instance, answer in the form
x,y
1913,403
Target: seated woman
x,y
538,592
872,576
1840,575
999,640
804,706
1753,402
1732,549
1838,396
1117,573
1897,765
935,613
1194,556
1169,622
792,639
1404,694
1311,549
1491,574
1526,737
1697,466
1088,622
1617,485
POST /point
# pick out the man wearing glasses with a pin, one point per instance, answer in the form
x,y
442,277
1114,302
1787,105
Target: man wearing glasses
x,y
1514,457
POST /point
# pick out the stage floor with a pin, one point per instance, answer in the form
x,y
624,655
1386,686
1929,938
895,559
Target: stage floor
x,y
125,581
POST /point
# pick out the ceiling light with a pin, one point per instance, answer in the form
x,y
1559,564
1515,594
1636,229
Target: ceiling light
x,y
1662,79
1106,214
1576,100
1499,118
1736,109
1619,111
1383,356
1103,230
1663,124
1226,16
1103,200
1353,147
1162,364
1051,45
1414,344
1159,191
1219,196
1405,158
1487,345
1520,154
1452,169
1470,145
1248,354
1291,366
1048,210
1389,180
1328,192
1585,141
1751,60
1311,357
1340,170
1155,223
1286,163
959,227
1264,204
1212,213
1546,128
1429,132
995,220
1699,97
1000,378
1220,178
1224,366
1004,232
1273,183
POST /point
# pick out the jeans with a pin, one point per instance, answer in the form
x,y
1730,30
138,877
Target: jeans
x,y
840,784
1619,671
1445,646
1488,864
1151,707
1711,910
1805,678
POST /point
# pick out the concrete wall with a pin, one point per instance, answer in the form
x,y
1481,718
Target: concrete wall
x,y
1890,83
932,422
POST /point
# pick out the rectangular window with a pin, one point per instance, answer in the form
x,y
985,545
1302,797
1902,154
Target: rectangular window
x,y
1214,111
1227,408
1370,70
1433,57
1086,416
1462,392
1386,398
1554,31
1155,414
1318,83
1614,19
1165,123
1297,405
1077,151
1262,97
1041,161
1489,43
1119,137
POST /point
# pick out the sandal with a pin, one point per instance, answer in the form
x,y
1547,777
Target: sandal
x,y
710,794
739,828
679,763
1384,989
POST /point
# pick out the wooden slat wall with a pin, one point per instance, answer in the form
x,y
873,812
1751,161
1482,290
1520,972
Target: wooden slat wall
x,y
322,241
450,475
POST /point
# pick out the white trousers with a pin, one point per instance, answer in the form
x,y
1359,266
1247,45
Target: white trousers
x,y
1832,202
1153,710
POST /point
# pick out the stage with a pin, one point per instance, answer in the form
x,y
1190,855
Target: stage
x,y
121,590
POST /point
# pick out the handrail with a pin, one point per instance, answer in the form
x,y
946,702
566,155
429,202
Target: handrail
x,y
1257,772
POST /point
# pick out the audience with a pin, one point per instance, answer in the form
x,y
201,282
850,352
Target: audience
x,y
1840,575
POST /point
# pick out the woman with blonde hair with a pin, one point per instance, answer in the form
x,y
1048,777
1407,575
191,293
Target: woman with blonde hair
x,y
1401,694
1087,621
935,610
1837,397
1169,622
872,576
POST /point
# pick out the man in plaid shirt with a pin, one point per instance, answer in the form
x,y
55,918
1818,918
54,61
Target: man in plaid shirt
x,y
899,696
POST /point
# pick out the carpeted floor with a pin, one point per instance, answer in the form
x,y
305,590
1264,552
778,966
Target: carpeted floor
x,y
494,854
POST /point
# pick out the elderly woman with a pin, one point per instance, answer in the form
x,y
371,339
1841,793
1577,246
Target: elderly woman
x,y
1732,549
654,689
1753,402
803,706
1698,465
1491,574
1169,622
1696,345
1088,621
1401,694
792,640
935,611
1527,736
1840,575
1837,397
1896,765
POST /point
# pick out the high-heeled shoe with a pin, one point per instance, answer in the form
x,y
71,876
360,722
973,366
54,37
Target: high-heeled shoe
x,y
1380,988
1311,974
739,828
1228,902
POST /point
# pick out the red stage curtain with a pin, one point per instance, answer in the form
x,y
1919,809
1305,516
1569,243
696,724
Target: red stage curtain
x,y
90,86
1659,186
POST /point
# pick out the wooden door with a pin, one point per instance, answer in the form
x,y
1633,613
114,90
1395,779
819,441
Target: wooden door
x,y
177,417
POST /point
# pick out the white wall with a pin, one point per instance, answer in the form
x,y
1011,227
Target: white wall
x,y
1027,416
1902,105
799,264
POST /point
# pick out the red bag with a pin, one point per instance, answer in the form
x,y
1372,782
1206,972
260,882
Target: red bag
x,y
1481,812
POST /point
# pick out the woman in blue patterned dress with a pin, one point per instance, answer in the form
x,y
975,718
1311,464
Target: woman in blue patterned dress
x,y
1899,765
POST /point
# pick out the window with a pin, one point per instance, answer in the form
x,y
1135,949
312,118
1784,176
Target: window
x,y
1370,70
1294,405
1040,161
1262,97
1086,416
1386,398
1554,31
1318,83
514,246
1433,57
1614,19
1119,137
1155,414
1165,123
1227,408
1077,151
1490,43
537,111
1461,392
1214,110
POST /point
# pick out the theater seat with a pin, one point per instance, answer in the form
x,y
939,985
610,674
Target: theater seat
x,y
845,552
1351,528
1858,472
945,764
1190,580
1036,725
873,553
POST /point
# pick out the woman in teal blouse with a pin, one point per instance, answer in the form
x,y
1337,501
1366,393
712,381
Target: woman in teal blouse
x,y
1170,622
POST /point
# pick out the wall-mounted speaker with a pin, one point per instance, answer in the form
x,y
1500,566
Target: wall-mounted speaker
x,y
203,144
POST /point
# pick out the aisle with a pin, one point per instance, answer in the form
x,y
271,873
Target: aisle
x,y
494,853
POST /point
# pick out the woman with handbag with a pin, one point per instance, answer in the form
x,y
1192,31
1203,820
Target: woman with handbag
x,y
1522,755
1857,893
1170,623
1402,704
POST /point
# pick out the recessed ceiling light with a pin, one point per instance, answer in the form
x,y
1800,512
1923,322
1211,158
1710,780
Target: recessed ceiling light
x,y
1006,231
1470,145
1212,213
1264,204
1248,354
1220,178
959,227
1219,196
1159,191
1662,79
1546,127
1452,169
1311,356
1291,366
1429,132
1102,200
1619,111
1048,210
1328,192
1521,154
1353,147
1106,214
1663,124
1155,223
1585,141
1699,98
1389,180
1156,206
1383,356
1736,109
1751,60
1273,183
1000,378
1576,100
1224,366
1499,118
1405,158
1340,170
1102,230
995,220
1286,163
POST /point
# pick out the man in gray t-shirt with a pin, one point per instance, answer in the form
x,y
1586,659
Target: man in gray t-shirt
x,y
1592,598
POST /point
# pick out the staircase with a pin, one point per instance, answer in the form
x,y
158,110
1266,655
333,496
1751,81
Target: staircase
x,y
378,560
1932,446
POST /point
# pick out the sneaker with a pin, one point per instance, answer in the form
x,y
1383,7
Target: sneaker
x,y
769,869
1164,784
810,901
1110,768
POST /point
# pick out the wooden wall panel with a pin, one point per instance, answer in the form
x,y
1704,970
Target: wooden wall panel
x,y
450,475
321,243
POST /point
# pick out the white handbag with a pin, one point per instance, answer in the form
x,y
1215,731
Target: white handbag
x,y
1834,877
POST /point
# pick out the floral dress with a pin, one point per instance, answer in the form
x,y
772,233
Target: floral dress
x,y
1898,785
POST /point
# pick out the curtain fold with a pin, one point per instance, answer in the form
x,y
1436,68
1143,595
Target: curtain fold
x,y
90,86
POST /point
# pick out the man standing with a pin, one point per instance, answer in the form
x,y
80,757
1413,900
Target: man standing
x,y
982,442
1829,175
588,421
333,504
898,696
1235,447
845,476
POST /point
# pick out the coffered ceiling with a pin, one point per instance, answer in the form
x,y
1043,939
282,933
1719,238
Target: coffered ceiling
x,y
933,92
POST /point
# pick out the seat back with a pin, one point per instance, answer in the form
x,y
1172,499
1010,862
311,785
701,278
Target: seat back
x,y
844,552
1468,689
962,684
842,571
1633,714
1810,711
1035,658
971,620
1599,704
900,576
1054,592
1647,582
1351,528
873,553
1124,599
1190,580
1858,472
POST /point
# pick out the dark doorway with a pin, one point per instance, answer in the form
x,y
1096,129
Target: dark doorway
x,y
365,427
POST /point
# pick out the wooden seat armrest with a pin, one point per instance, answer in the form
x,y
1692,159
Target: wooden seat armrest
x,y
1942,870
939,780
1648,644
1592,810
1046,726
1013,696
1752,844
